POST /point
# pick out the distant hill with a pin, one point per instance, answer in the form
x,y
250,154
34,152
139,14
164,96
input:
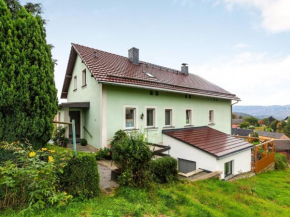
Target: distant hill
x,y
277,111
242,114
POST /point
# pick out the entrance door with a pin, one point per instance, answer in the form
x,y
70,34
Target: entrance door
x,y
186,166
77,117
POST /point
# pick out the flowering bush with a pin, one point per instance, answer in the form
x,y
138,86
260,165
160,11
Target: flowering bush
x,y
32,179
104,153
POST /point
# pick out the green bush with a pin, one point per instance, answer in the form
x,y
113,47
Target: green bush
x,y
33,180
281,162
81,178
164,169
6,155
59,137
132,156
84,142
104,153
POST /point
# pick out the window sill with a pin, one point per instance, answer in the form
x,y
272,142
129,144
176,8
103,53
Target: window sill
x,y
75,90
133,129
211,124
84,86
189,125
168,127
151,128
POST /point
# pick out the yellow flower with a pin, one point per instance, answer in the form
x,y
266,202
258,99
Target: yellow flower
x,y
51,151
50,159
44,149
32,154
64,193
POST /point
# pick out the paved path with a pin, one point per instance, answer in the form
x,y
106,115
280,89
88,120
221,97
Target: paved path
x,y
105,178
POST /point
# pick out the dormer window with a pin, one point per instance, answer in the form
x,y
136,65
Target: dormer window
x,y
149,74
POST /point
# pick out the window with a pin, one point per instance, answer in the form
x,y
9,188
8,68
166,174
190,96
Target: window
x,y
150,117
228,168
211,116
130,117
168,117
149,74
59,116
188,117
84,78
75,82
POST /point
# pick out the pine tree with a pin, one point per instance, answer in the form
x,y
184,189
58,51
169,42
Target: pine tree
x,y
28,94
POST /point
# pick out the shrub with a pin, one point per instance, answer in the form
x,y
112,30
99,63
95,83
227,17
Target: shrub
x,y
80,177
281,162
31,181
84,142
164,169
132,155
59,137
104,153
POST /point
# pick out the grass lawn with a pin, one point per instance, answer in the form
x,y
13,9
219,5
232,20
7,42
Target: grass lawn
x,y
267,194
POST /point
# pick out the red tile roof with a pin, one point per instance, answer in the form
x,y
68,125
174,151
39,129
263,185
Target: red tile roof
x,y
209,140
112,68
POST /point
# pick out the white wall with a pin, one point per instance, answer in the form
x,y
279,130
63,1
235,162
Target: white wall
x,y
242,160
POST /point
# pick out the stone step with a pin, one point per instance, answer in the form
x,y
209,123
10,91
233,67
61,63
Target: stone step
x,y
215,174
195,172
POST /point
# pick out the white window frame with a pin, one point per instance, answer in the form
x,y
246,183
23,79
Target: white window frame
x,y
171,117
154,116
84,77
213,118
75,82
190,117
135,117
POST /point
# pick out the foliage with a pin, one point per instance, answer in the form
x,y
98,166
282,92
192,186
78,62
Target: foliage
x,y
59,137
104,153
27,90
265,194
280,126
245,125
164,169
84,142
31,181
256,135
271,119
119,136
274,124
252,120
287,129
234,116
281,162
80,177
132,155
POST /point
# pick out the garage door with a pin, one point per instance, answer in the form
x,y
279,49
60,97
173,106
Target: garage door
x,y
186,166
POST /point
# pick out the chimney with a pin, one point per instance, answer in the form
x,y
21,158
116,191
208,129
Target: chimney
x,y
133,55
184,69
95,54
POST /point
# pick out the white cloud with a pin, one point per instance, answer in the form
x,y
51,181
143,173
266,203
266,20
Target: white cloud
x,y
241,45
257,78
275,15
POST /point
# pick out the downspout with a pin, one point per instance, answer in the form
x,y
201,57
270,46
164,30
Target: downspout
x,y
232,114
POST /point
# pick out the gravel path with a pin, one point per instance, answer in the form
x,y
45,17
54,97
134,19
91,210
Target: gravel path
x,y
105,178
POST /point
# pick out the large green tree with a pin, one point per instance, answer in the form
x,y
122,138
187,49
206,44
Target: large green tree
x,y
287,129
27,90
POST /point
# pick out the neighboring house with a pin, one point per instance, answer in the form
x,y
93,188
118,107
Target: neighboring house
x,y
106,92
271,135
241,132
286,119
236,123
283,146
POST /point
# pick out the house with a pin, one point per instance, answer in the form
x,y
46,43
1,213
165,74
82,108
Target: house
x,y
106,92
241,132
236,123
283,146
286,119
271,135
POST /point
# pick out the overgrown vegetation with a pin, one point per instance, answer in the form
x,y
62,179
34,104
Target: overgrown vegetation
x,y
164,169
266,194
104,153
27,90
281,162
59,138
84,142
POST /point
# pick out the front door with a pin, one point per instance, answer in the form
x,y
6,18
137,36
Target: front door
x,y
75,115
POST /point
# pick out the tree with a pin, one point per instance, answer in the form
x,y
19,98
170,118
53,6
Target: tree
x,y
28,95
266,121
271,119
287,129
280,126
244,125
274,124
234,116
252,120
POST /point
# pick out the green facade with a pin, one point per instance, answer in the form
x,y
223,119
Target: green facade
x,y
107,102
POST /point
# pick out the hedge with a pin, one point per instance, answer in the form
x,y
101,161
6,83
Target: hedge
x,y
281,162
164,169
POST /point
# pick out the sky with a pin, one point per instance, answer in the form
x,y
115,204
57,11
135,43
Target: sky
x,y
242,46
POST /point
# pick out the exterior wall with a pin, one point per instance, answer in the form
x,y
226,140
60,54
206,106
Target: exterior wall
x,y
90,118
241,164
242,160
118,96
184,151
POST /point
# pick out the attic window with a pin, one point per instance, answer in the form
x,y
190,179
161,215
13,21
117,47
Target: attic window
x,y
149,74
